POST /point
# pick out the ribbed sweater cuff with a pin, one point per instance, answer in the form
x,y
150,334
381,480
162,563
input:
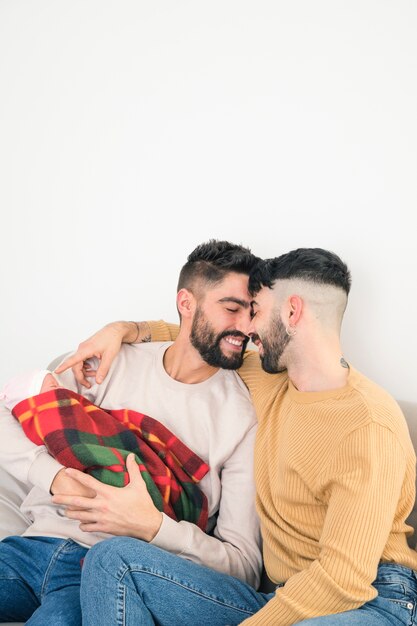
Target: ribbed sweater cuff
x,y
170,537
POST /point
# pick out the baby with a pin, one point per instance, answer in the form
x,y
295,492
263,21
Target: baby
x,y
50,415
27,385
82,435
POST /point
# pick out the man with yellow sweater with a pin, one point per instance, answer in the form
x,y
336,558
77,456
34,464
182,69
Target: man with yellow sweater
x,y
335,467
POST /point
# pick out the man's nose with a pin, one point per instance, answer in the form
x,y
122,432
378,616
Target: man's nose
x,y
251,328
244,323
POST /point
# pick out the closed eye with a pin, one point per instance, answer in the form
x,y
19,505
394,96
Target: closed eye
x,y
232,310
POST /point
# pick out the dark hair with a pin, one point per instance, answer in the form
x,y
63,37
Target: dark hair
x,y
310,264
211,261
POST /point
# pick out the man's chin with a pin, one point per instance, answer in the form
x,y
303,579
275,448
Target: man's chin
x,y
233,357
271,368
232,363
224,361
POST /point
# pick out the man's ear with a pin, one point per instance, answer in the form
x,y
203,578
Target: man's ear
x,y
294,309
185,303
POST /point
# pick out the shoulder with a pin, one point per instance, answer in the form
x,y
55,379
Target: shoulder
x,y
376,404
228,393
366,409
229,382
135,354
134,362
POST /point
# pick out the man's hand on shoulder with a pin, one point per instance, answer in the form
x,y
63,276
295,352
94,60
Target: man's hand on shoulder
x,y
104,345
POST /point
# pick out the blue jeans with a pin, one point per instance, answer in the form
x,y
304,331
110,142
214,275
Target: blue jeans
x,y
131,583
40,581
395,604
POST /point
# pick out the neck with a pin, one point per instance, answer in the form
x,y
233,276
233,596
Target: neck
x,y
183,362
320,368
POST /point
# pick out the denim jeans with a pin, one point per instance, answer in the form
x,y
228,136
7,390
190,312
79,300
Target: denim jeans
x,y
395,604
40,581
127,582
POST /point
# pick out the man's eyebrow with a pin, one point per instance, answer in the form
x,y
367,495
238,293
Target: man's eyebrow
x,y
243,303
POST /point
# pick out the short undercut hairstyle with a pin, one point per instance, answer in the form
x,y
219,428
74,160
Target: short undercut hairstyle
x,y
313,265
209,263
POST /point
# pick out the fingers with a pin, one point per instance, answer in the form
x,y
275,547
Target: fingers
x,y
86,480
80,375
90,514
104,344
104,366
71,361
63,484
77,504
66,364
76,362
89,517
92,528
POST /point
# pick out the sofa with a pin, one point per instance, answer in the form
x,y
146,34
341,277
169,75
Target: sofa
x,y
12,491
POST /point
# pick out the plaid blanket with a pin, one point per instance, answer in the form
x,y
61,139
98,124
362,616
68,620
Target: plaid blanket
x,y
81,435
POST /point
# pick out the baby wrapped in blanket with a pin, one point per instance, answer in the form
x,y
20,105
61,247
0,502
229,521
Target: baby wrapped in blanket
x,y
84,436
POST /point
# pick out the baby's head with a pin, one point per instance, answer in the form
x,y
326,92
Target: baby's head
x,y
27,385
49,383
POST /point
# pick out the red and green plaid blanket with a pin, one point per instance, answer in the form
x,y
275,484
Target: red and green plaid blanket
x,y
81,435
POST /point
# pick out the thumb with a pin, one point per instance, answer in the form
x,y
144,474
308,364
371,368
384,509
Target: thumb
x,y
135,477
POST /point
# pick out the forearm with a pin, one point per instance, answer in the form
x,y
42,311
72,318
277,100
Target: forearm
x,y
188,541
234,547
133,332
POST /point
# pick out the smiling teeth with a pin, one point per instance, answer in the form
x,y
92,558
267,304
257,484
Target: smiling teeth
x,y
234,342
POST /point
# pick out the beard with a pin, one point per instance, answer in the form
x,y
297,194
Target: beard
x,y
274,343
205,340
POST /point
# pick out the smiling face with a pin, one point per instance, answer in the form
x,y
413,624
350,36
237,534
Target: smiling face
x,y
268,332
221,322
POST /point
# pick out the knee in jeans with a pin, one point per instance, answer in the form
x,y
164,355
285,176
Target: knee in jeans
x,y
114,552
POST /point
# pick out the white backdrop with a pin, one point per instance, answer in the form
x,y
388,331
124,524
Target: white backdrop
x,y
131,131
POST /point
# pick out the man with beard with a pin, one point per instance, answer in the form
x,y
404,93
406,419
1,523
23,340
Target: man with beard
x,y
190,387
335,474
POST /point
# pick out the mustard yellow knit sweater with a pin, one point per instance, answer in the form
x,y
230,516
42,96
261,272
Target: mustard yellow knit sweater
x,y
335,478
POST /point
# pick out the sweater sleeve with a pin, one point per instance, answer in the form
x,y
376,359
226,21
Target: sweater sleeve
x,y
27,462
234,546
361,486
163,331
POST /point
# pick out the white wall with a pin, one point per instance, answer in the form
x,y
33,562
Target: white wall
x,y
130,131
